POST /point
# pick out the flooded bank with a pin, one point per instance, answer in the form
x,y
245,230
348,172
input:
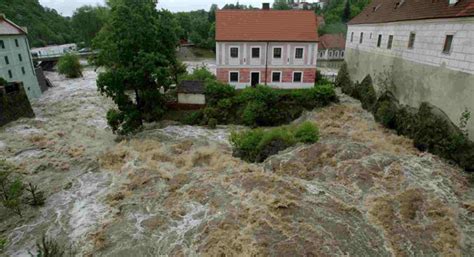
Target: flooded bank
x,y
177,190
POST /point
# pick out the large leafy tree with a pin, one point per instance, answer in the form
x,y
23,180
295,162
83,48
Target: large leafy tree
x,y
87,21
137,49
282,5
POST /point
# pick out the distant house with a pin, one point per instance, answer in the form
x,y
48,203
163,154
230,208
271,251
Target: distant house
x,y
423,50
331,47
16,64
270,47
191,92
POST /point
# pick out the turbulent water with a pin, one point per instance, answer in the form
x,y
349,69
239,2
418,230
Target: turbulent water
x,y
177,190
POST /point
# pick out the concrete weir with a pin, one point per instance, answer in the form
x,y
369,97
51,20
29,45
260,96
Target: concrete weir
x,y
413,83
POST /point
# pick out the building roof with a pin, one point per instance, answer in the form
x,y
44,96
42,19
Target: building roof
x,y
191,87
266,25
331,41
7,27
381,11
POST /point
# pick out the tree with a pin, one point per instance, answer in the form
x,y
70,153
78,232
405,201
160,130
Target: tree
x,y
137,50
281,5
87,21
212,13
70,66
346,15
11,187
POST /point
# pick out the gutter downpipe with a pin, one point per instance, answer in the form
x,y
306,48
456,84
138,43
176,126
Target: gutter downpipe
x,y
266,64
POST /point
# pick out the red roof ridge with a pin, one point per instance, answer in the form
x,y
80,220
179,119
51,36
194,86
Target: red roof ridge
x,y
266,25
21,29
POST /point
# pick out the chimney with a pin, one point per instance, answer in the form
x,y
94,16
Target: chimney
x,y
453,2
266,6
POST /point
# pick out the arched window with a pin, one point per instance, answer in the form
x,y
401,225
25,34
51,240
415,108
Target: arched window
x,y
330,53
336,54
342,53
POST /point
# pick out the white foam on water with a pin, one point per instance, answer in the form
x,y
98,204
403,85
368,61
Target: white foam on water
x,y
194,132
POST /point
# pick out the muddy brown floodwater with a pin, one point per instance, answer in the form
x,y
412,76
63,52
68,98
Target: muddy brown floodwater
x,y
177,191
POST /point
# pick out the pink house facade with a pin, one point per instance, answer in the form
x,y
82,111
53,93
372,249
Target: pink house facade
x,y
266,47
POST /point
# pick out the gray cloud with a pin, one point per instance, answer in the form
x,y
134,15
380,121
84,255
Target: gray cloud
x,y
67,7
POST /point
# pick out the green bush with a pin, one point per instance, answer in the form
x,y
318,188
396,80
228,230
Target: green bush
x,y
3,243
256,145
307,132
124,122
194,118
70,66
3,82
216,91
200,73
212,123
11,187
365,92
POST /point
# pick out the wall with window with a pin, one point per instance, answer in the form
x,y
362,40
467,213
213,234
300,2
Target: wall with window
x,y
419,61
16,63
255,54
441,42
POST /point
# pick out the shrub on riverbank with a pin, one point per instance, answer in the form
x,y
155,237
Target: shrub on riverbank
x,y
256,145
429,127
259,106
70,66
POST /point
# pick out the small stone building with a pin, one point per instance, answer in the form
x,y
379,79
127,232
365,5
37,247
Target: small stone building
x,y
191,92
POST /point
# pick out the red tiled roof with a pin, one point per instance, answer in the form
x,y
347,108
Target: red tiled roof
x,y
331,41
266,25
380,11
7,27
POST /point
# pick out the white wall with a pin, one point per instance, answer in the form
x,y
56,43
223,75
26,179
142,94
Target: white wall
x,y
429,41
191,98
224,60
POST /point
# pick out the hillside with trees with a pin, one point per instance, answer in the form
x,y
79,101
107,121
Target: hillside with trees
x,y
338,12
45,26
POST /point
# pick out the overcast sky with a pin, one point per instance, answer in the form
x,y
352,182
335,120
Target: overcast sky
x,y
67,7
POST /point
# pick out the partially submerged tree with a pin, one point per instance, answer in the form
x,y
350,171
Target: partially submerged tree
x,y
138,50
70,66
11,187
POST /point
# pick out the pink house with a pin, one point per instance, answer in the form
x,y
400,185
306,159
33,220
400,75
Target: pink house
x,y
268,47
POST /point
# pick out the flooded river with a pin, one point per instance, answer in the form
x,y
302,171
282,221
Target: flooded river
x,y
177,191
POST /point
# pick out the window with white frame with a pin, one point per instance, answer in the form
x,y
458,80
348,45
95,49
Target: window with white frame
x,y
277,52
297,76
276,76
379,40
234,52
299,53
411,40
233,76
255,52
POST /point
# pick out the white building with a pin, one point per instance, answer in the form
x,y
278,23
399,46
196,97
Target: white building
x,y
422,50
267,47
16,64
331,47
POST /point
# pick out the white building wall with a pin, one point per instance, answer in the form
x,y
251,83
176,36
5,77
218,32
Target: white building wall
x,y
429,41
245,59
191,98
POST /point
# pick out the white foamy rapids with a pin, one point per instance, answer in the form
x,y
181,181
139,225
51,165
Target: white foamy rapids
x,y
190,132
2,146
210,64
73,213
24,130
177,234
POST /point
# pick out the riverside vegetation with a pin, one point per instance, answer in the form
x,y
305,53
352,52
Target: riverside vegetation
x,y
428,126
